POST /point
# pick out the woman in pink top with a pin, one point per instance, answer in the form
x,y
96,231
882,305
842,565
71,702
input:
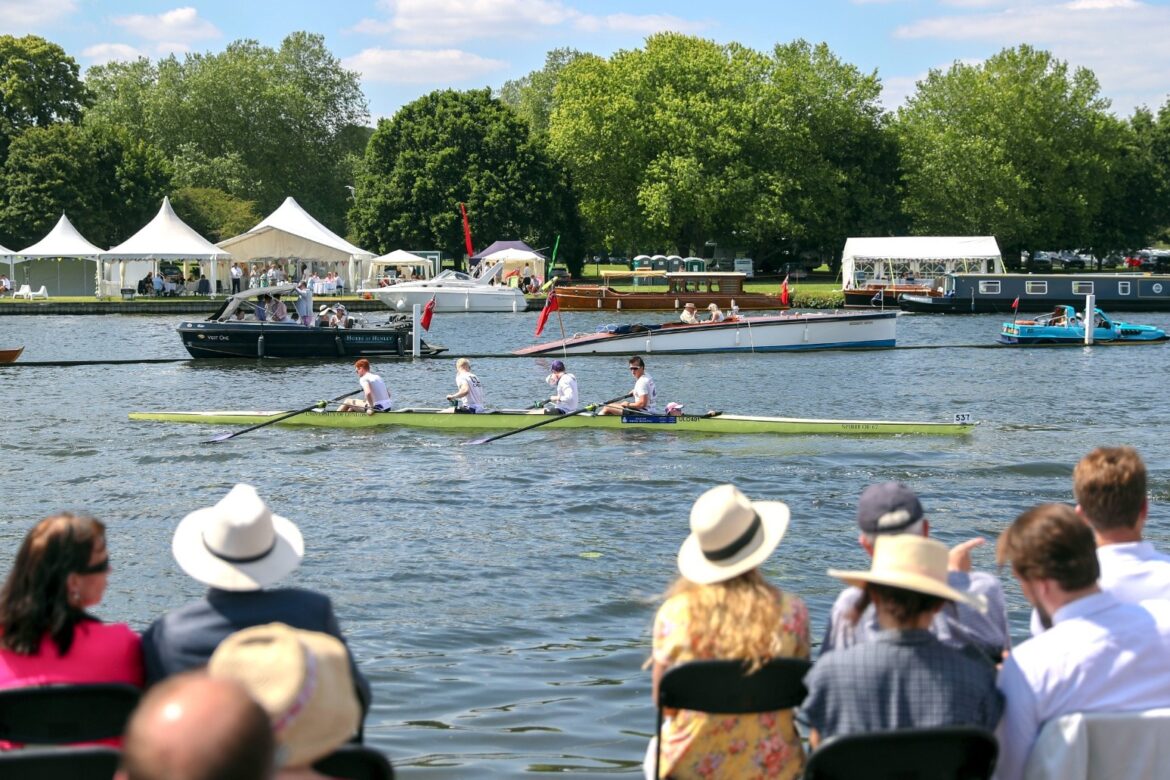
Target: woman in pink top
x,y
46,635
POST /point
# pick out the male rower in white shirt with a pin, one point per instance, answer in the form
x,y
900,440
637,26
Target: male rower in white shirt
x,y
377,397
644,393
565,399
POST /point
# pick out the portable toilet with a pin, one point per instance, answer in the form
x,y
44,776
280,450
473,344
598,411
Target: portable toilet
x,y
640,263
674,263
744,265
658,262
694,264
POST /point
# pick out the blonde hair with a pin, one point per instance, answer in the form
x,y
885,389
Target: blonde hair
x,y
462,363
739,618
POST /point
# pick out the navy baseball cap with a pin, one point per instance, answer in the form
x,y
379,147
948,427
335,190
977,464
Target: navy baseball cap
x,y
557,365
887,508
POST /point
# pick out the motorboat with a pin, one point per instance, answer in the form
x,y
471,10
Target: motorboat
x,y
1065,326
454,291
233,331
777,333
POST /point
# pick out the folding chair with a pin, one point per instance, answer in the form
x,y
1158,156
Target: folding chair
x,y
356,762
722,687
1117,745
947,753
83,763
63,714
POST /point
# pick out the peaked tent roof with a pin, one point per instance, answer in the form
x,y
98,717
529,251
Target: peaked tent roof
x,y
922,247
62,241
4,252
291,232
499,245
400,256
166,237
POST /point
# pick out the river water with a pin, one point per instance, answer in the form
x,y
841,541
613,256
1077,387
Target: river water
x,y
500,597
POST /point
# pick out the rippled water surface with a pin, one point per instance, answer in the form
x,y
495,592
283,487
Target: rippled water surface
x,y
500,597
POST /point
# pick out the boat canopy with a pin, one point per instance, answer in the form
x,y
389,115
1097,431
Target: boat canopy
x,y
247,298
889,259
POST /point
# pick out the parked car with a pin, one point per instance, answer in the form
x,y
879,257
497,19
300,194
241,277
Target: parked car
x,y
1039,262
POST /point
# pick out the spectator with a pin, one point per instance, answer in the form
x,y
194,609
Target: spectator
x,y
1098,654
159,284
904,677
302,680
237,277
195,727
892,508
48,636
238,547
723,608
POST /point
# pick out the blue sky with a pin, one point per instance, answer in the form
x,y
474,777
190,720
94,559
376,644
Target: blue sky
x,y
406,48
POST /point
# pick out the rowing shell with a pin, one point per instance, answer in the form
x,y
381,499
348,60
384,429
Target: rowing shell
x,y
505,420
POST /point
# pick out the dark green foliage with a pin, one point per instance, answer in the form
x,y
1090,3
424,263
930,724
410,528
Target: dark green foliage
x,y
39,85
214,213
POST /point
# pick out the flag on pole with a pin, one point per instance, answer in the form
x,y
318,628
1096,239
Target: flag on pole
x,y
550,305
428,312
466,231
1016,304
784,298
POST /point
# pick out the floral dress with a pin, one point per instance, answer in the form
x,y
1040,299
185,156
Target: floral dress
x,y
706,745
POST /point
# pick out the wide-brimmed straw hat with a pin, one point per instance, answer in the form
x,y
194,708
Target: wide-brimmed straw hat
x,y
238,544
910,562
303,681
730,535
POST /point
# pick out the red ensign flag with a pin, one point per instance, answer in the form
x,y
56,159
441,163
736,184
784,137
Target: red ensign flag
x,y
466,230
784,292
550,305
1016,303
428,312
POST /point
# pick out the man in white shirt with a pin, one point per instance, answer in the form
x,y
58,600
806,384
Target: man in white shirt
x,y
688,315
377,397
470,395
644,393
237,277
565,399
1098,654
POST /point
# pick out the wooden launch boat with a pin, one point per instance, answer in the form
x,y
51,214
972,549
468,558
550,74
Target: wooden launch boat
x,y
724,289
10,355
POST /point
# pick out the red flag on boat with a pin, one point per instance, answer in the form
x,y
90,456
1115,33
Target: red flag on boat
x,y
1016,303
784,292
428,312
550,305
466,230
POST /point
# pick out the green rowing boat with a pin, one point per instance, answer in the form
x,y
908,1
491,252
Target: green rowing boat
x,y
445,419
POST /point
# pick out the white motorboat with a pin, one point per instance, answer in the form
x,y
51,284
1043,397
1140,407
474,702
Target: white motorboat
x,y
454,291
782,333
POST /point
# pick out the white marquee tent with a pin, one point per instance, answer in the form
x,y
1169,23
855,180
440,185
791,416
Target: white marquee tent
x,y
924,257
401,261
291,233
166,237
62,242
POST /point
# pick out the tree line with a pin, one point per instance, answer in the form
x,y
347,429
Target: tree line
x,y
674,147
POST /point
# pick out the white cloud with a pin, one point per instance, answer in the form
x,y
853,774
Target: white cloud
x,y
415,66
101,53
19,15
178,27
446,22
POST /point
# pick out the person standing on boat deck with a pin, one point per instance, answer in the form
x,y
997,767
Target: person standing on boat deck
x,y
644,392
277,310
688,315
905,677
470,394
377,397
891,508
1100,654
237,277
716,314
565,399
260,308
304,304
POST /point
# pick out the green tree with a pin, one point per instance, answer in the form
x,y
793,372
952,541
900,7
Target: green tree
x,y
450,147
1018,147
214,213
39,85
108,183
259,123
532,97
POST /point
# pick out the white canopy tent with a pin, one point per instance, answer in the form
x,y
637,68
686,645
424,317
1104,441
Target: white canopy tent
x,y
166,237
923,257
63,241
401,261
514,261
291,233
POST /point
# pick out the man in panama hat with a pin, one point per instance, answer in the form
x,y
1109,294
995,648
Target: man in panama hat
x,y
238,547
904,677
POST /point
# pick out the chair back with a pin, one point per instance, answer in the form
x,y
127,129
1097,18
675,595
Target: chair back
x,y
724,687
1118,745
61,714
83,763
947,753
356,762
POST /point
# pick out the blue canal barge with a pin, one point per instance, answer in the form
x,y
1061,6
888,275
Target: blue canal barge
x,y
984,293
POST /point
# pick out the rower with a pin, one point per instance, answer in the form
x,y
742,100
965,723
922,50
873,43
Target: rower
x,y
565,399
644,393
377,397
470,395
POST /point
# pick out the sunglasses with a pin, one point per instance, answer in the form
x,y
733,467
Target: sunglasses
x,y
100,567
635,368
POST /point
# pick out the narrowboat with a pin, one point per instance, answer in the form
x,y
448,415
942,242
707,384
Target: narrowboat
x,y
996,293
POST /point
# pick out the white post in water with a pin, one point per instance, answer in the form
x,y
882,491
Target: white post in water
x,y
415,331
1090,310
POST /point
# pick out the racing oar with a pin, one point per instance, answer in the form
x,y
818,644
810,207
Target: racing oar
x,y
551,419
285,416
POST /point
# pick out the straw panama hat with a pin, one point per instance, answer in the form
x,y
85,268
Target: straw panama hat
x,y
730,535
911,562
237,544
302,680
